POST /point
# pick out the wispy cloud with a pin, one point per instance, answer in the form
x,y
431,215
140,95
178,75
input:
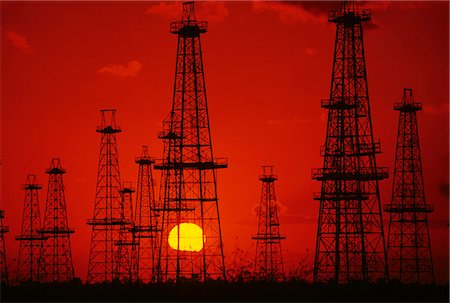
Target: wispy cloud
x,y
205,10
281,209
291,13
17,40
444,189
310,51
442,108
131,70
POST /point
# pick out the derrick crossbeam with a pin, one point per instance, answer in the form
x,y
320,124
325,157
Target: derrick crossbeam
x,y
107,221
216,164
405,208
339,196
365,173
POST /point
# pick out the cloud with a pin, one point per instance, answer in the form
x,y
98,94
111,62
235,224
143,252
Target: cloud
x,y
310,51
444,189
438,223
204,11
281,209
131,70
19,41
292,12
439,109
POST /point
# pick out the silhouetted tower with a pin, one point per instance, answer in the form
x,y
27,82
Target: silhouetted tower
x,y
409,247
145,221
188,193
56,263
269,260
124,268
350,238
108,214
30,239
3,266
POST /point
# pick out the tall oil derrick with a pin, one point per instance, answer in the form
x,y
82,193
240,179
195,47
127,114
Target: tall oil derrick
x,y
56,260
269,260
108,216
3,265
125,244
409,247
350,237
145,221
191,241
31,239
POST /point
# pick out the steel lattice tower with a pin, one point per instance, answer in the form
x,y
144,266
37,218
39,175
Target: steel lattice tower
x,y
125,244
350,237
108,215
30,239
56,264
269,260
409,247
189,194
3,265
145,221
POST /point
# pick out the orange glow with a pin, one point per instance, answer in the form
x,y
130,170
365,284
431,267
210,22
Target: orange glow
x,y
267,67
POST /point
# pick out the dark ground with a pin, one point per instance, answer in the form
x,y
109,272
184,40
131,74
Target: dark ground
x,y
221,291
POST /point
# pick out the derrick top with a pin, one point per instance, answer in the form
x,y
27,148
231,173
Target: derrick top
x,y
108,122
127,188
268,175
188,26
31,183
407,104
55,167
144,159
348,14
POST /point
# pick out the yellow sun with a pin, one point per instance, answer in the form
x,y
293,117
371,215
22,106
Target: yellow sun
x,y
191,237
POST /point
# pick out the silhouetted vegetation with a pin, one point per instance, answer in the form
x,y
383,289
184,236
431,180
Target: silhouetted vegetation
x,y
289,290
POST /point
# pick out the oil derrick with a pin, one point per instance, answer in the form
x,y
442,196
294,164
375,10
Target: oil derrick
x,y
268,261
145,222
191,241
30,239
125,244
3,266
350,238
409,248
56,262
108,215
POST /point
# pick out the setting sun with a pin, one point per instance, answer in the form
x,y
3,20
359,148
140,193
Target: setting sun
x,y
191,237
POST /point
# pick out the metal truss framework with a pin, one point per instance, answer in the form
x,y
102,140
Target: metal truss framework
x,y
350,237
108,210
145,222
126,243
31,239
409,247
56,261
269,259
188,189
3,265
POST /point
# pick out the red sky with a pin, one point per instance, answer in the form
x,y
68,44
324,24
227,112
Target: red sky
x,y
267,64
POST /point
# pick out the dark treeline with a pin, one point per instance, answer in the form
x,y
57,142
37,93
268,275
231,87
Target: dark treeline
x,y
294,290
